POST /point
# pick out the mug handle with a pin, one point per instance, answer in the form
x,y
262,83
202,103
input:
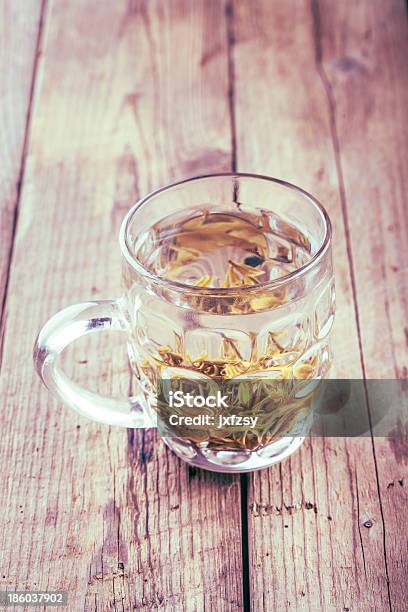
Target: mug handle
x,y
65,327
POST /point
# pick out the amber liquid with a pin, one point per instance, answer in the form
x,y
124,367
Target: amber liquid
x,y
223,249
233,250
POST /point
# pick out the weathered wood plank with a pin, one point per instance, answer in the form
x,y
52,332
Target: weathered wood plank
x,y
19,30
363,55
132,96
309,548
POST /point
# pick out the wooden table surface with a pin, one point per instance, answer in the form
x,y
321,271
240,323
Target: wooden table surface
x,y
101,102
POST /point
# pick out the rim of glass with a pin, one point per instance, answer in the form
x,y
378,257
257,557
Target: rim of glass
x,y
271,284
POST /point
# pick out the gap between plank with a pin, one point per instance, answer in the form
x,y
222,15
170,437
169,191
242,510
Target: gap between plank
x,y
246,589
229,17
343,201
20,179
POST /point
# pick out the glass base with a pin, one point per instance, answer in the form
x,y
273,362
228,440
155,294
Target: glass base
x,y
234,462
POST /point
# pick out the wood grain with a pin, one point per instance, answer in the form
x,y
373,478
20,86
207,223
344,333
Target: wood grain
x,y
363,58
19,34
132,96
125,97
316,523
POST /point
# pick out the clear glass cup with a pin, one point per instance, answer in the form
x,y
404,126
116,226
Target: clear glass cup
x,y
170,325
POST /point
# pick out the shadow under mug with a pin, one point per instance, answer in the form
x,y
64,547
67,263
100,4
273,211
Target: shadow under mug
x,y
159,312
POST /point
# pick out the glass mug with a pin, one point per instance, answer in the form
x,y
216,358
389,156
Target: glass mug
x,y
267,316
